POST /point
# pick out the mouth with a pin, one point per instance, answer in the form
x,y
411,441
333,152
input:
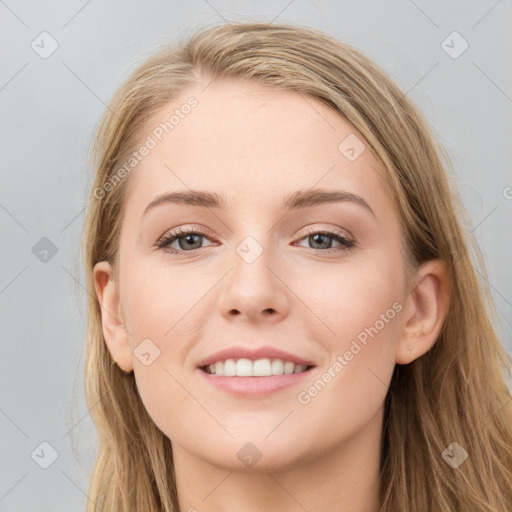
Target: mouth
x,y
254,378
244,367
254,372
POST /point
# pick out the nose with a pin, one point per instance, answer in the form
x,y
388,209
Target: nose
x,y
254,291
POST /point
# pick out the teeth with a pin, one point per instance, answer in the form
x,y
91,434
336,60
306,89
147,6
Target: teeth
x,y
243,368
277,367
229,368
288,368
259,368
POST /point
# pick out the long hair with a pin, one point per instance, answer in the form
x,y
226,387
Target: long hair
x,y
456,392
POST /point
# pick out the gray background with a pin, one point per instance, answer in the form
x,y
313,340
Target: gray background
x,y
51,107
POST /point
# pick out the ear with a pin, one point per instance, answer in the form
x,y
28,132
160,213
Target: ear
x,y
114,331
426,310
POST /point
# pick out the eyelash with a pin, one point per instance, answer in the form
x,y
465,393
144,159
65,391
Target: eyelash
x,y
174,235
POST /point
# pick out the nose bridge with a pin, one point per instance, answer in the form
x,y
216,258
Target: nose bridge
x,y
252,288
251,263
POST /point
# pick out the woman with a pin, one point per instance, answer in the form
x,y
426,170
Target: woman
x,y
325,343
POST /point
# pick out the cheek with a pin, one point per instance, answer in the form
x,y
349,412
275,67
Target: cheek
x,y
168,398
350,389
164,313
355,302
363,310
369,320
159,300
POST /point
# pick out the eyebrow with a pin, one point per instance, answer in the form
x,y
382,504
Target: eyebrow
x,y
298,200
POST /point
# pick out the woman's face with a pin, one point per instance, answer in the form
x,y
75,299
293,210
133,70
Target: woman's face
x,y
262,276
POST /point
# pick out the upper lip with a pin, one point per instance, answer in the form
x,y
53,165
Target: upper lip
x,y
253,354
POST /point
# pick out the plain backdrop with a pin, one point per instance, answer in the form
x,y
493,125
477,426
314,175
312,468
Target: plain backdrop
x,y
61,63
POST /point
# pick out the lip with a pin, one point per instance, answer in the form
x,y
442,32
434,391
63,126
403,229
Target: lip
x,y
254,354
255,387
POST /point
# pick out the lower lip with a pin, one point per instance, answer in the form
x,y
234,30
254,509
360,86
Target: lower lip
x,y
254,386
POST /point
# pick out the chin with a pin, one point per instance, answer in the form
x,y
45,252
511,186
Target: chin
x,y
257,456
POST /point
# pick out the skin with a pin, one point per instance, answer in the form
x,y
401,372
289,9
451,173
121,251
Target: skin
x,y
254,145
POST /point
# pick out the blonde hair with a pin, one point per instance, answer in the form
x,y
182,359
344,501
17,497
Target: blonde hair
x,y
456,392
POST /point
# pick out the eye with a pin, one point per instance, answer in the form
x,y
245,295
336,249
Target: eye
x,y
189,240
324,240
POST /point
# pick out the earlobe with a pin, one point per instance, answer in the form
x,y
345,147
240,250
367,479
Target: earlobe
x,y
426,309
112,321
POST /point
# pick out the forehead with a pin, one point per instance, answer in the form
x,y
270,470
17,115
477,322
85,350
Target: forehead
x,y
248,142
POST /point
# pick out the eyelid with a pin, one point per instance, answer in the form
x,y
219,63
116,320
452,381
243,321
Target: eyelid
x,y
330,230
180,231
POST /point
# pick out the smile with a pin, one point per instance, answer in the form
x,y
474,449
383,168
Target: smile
x,y
244,367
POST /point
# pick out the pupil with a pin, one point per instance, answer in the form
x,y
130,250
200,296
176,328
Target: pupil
x,y
319,235
190,238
